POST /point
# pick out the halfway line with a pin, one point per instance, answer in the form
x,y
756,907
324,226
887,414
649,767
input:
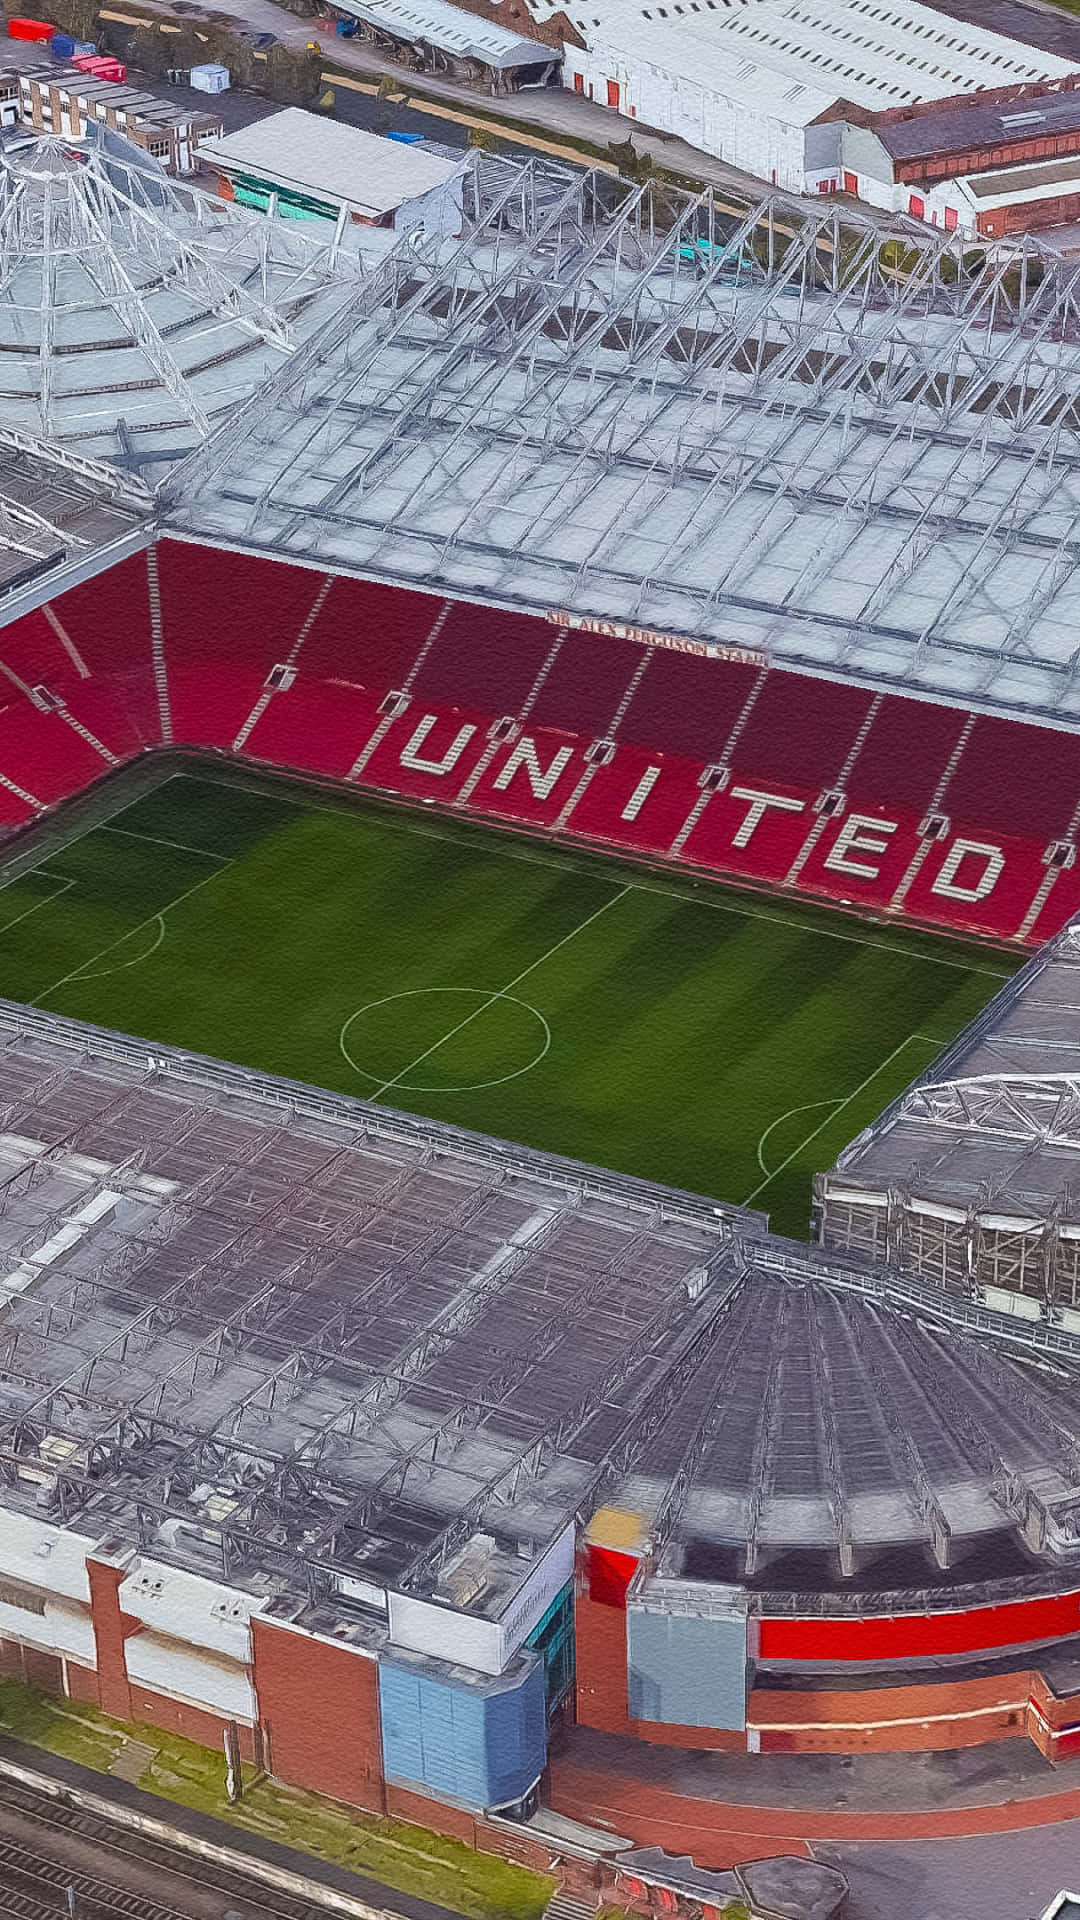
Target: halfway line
x,y
499,994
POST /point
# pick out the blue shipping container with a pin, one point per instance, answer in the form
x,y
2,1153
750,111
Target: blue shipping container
x,y
476,1739
62,45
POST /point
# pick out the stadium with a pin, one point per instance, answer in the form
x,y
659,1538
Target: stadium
x,y
606,680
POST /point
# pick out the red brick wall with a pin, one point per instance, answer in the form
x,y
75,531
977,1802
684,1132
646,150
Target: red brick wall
x,y
111,1628
319,1705
193,1723
82,1684
422,1812
601,1664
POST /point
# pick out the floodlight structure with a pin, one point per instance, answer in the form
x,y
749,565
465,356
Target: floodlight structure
x,y
850,447
136,313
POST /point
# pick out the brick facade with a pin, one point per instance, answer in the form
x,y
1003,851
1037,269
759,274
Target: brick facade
x,y
111,1629
319,1712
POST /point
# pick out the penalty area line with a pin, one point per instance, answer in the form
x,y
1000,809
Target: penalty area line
x,y
837,1107
79,972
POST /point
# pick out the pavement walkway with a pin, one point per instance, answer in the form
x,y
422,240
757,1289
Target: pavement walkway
x,y
724,1807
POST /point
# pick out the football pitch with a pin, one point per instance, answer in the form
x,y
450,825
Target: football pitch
x,y
688,1032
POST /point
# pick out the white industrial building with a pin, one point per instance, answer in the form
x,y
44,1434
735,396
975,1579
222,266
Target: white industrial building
x,y
310,166
748,81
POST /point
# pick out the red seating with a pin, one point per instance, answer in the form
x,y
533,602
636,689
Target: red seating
x,y
587,681
685,704
1017,780
661,813
904,755
315,726
230,608
800,730
32,650
42,754
366,634
227,619
485,659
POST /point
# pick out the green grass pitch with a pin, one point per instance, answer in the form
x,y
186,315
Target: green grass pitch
x,y
715,1039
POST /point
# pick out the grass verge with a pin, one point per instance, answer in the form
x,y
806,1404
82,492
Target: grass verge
x,y
410,1859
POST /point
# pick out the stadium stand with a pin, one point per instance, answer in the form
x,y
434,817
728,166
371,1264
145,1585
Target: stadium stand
x,y
484,659
892,804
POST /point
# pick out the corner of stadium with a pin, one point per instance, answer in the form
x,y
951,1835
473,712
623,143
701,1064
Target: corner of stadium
x,y
462,1482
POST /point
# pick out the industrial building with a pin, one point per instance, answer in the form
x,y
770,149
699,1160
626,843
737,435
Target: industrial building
x,y
988,163
753,83
461,43
65,100
312,168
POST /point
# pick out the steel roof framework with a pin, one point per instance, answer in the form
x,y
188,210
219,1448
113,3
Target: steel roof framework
x,y
785,427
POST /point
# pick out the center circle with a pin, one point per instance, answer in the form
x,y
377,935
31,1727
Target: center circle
x,y
484,998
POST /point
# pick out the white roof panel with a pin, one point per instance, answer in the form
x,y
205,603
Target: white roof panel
x,y
346,165
793,58
451,28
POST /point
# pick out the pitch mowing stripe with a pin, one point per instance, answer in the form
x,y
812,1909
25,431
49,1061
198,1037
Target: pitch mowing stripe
x,y
610,855
500,994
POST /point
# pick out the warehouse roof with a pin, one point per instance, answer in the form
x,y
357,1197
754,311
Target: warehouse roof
x,y
1021,184
344,165
453,29
299,1345
959,127
791,59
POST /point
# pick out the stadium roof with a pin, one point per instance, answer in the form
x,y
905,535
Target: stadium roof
x,y
994,1124
62,518
860,459
135,313
318,1350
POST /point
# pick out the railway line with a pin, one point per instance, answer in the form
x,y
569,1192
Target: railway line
x,y
48,1846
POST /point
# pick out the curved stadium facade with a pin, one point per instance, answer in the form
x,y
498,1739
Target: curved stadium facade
x,y
744,539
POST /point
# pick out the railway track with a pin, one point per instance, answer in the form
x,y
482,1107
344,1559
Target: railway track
x,y
34,1881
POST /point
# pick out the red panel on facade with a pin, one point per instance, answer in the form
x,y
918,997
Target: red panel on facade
x,y
610,1574
922,1635
319,1710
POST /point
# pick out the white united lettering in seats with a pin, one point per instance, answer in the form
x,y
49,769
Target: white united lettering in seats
x,y
969,872
412,757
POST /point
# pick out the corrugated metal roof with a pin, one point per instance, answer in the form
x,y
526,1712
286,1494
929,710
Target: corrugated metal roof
x,y
452,29
342,164
793,58
1025,182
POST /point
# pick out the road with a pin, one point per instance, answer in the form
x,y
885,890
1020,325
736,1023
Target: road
x,y
552,111
995,1876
